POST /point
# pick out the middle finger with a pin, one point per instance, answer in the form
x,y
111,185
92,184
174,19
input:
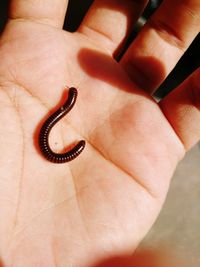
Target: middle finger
x,y
109,23
162,42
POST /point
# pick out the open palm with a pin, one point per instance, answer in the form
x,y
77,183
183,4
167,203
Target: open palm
x,y
105,201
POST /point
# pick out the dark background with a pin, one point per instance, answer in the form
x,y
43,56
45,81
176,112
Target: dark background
x,y
76,10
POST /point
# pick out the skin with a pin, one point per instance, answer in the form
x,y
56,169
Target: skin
x,y
103,203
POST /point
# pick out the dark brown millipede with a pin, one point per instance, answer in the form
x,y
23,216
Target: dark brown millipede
x,y
47,126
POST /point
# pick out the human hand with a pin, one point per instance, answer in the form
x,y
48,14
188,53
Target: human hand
x,y
104,202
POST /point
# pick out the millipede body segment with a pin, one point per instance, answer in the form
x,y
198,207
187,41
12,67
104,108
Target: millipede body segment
x,y
47,126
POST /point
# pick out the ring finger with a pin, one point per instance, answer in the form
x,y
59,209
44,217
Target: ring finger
x,y
162,42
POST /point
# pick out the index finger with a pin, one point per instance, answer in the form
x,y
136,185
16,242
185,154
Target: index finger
x,y
43,11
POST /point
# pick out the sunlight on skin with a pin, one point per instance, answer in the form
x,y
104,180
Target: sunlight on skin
x,y
104,202
120,148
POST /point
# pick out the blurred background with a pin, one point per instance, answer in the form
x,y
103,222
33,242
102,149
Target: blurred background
x,y
177,229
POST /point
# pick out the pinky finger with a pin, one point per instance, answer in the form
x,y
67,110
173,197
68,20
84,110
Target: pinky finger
x,y
182,109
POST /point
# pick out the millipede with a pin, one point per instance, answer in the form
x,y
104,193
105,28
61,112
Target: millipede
x,y
48,125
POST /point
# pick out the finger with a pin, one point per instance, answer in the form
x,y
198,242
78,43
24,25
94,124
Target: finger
x,y
108,23
162,42
44,11
182,109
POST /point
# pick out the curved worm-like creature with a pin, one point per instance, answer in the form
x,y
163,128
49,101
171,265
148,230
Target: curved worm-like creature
x,y
47,126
